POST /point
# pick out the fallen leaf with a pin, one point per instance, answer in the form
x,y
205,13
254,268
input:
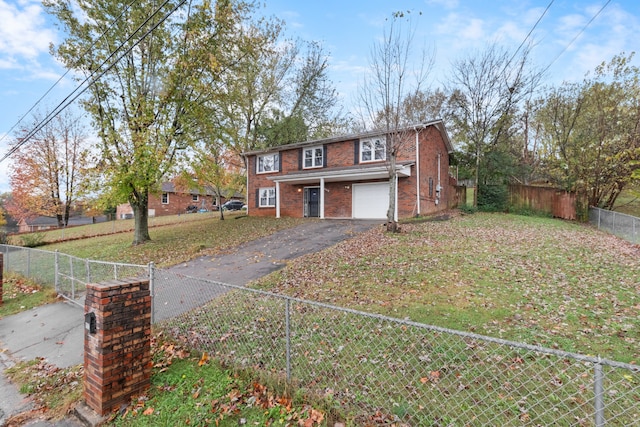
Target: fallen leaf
x,y
204,359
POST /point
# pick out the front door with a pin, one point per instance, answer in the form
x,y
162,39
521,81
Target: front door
x,y
312,202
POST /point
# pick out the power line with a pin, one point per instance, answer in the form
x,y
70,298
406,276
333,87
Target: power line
x,y
66,72
576,37
531,31
60,107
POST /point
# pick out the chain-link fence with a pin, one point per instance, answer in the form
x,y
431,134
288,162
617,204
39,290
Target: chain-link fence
x,y
365,365
68,274
622,225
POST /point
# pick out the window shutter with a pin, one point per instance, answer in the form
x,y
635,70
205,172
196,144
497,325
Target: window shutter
x,y
257,197
300,155
356,151
279,161
324,156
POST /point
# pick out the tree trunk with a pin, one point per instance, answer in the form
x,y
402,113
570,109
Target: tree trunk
x,y
219,202
140,206
392,224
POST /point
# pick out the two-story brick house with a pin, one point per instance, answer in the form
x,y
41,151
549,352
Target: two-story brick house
x,y
348,176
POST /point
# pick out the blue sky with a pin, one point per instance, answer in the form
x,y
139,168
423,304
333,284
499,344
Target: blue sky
x,y
347,30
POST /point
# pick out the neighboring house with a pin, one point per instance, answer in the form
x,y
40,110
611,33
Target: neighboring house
x,y
40,223
348,176
172,201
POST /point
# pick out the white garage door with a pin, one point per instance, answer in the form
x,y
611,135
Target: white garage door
x,y
371,201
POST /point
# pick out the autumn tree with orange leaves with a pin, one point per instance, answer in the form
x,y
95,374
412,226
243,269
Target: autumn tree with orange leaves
x,y
48,171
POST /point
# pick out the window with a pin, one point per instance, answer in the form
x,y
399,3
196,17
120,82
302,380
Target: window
x,y
268,163
194,197
313,157
267,197
165,198
372,150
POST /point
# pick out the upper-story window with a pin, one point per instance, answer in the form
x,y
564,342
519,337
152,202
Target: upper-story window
x,y
194,197
268,163
165,198
372,150
313,157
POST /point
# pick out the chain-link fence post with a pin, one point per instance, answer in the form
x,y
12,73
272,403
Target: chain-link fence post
x,y
287,321
88,267
28,263
152,291
73,279
56,271
598,392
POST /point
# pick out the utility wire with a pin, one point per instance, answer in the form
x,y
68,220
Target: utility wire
x,y
60,107
530,31
67,72
576,37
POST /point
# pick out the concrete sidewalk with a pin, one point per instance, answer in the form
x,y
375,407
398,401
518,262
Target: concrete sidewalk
x,y
53,331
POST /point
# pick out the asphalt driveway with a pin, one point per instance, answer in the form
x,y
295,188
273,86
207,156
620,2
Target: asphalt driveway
x,y
260,257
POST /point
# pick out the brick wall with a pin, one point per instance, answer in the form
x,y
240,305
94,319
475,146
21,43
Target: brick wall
x,y
339,196
117,357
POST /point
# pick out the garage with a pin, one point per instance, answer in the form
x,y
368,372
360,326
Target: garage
x,y
371,201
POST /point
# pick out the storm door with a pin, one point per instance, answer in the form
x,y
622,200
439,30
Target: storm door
x,y
312,202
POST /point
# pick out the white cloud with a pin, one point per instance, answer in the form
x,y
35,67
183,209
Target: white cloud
x,y
23,33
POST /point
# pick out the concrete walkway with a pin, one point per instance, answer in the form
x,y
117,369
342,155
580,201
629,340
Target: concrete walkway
x,y
53,331
56,331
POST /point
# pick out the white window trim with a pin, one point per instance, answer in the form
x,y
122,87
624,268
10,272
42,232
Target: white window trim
x,y
260,204
162,200
195,198
373,149
276,163
313,157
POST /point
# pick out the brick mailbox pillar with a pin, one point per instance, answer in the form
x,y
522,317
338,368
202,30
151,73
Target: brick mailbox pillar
x,y
117,346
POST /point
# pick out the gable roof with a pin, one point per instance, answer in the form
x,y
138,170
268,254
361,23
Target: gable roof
x,y
438,124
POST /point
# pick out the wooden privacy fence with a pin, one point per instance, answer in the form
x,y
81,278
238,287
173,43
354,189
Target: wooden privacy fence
x,y
558,203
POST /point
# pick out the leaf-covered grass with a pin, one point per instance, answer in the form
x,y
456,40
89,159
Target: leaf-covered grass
x,y
107,228
536,280
176,242
55,391
19,294
629,201
191,389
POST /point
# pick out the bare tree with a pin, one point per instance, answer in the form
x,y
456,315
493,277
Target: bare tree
x,y
392,79
487,90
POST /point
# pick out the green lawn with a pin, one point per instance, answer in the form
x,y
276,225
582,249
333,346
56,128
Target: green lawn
x,y
541,281
20,294
176,240
629,201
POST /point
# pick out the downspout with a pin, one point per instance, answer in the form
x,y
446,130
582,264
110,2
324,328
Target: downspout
x,y
277,199
417,172
321,198
395,214
218,200
438,186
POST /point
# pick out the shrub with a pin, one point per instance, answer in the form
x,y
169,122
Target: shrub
x,y
468,209
493,198
33,240
526,211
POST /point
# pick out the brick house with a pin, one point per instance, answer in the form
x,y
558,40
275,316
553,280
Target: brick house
x,y
172,201
348,176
